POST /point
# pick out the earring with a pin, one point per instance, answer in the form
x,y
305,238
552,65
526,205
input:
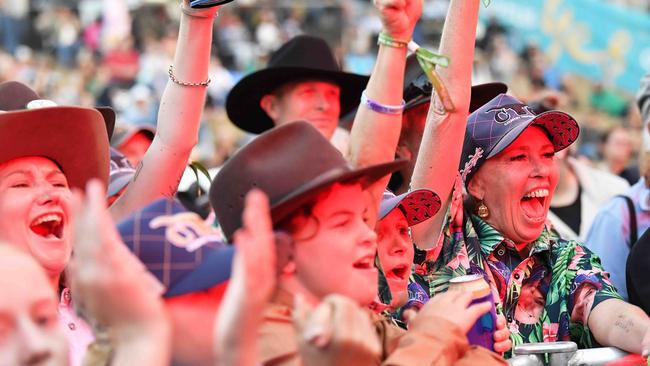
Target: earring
x,y
482,210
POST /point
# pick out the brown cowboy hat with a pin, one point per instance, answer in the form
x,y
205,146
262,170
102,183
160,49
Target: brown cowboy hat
x,y
75,138
291,164
302,58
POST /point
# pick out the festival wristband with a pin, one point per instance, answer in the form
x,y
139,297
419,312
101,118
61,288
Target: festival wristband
x,y
381,108
389,41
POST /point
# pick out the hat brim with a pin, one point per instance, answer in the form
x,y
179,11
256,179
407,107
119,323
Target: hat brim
x,y
418,205
117,184
73,137
121,138
481,94
366,176
109,119
562,129
243,101
213,270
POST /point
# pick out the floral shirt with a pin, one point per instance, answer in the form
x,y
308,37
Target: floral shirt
x,y
545,296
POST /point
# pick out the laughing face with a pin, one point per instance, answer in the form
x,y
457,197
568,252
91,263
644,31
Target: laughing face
x,y
395,253
34,210
516,186
334,249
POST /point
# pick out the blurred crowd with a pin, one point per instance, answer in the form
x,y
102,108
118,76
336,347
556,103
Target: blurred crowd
x,y
94,52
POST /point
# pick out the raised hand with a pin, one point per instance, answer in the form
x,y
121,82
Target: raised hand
x,y
252,282
399,17
452,306
336,332
502,342
107,280
254,271
112,287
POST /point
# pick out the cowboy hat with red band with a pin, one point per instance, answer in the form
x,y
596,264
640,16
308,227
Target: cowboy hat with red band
x,y
75,138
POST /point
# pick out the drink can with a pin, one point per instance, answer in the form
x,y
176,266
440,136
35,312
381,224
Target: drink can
x,y
482,332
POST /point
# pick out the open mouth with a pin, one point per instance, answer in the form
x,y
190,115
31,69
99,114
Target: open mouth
x,y
399,272
367,262
533,204
49,226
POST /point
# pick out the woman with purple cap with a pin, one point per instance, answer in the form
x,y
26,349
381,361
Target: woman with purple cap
x,y
548,288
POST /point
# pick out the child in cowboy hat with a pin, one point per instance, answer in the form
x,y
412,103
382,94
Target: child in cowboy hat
x,y
320,202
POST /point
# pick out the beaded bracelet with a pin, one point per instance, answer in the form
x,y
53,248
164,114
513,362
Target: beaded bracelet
x,y
389,41
172,77
381,108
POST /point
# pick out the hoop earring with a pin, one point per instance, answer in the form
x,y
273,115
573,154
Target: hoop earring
x,y
482,210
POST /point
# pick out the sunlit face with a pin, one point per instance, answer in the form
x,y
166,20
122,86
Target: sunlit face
x,y
30,332
517,185
339,256
135,147
317,102
34,210
395,252
192,317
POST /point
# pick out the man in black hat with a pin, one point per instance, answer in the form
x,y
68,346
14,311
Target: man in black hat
x,y
302,81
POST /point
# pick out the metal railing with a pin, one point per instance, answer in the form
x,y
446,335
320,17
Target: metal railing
x,y
562,354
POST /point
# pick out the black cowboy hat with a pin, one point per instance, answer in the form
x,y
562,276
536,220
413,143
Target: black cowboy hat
x,y
75,138
302,58
417,88
291,164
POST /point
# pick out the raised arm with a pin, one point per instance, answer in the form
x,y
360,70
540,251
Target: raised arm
x,y
178,118
374,135
442,143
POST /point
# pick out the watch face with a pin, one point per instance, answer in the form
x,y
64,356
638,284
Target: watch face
x,y
198,4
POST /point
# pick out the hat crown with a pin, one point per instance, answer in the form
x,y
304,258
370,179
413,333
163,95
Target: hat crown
x,y
15,95
307,52
279,162
495,125
170,258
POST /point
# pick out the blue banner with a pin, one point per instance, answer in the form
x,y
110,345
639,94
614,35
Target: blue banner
x,y
601,41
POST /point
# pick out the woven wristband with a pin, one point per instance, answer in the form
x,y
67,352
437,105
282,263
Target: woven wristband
x,y
381,108
389,41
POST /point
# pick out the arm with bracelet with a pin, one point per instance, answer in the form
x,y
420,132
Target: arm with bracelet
x,y
179,115
378,122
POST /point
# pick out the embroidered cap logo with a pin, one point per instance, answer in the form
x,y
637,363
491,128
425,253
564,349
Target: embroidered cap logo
x,y
503,115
